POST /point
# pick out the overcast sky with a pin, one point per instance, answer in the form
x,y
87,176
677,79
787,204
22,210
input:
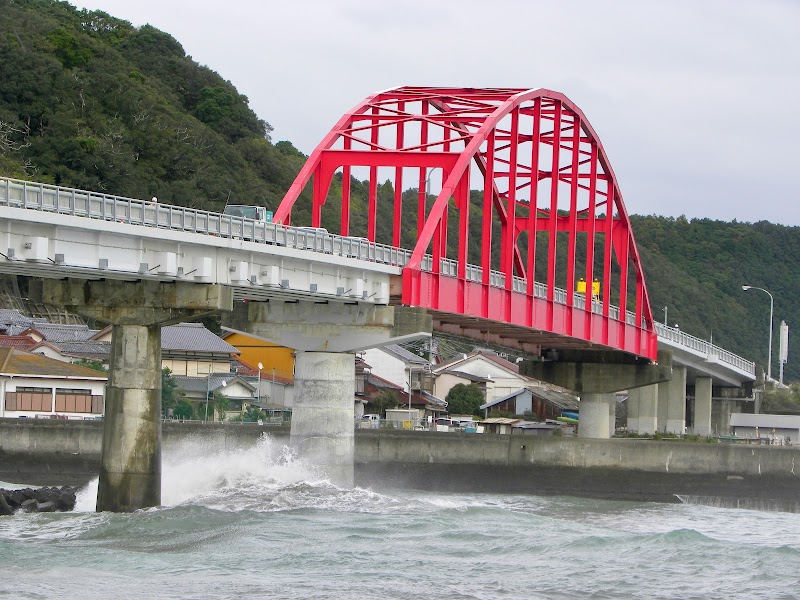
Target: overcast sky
x,y
697,103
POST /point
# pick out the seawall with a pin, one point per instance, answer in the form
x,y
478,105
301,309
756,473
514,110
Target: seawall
x,y
68,453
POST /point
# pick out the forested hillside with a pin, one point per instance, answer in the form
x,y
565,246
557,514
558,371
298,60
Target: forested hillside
x,y
89,101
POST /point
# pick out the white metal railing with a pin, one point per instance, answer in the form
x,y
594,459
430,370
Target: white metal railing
x,y
82,203
704,347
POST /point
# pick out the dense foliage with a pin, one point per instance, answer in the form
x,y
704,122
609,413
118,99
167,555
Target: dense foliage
x,y
697,268
89,101
465,399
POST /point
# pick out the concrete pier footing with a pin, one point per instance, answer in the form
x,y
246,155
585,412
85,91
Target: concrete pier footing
x,y
322,418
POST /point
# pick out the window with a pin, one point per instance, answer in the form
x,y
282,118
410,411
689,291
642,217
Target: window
x,y
74,401
30,398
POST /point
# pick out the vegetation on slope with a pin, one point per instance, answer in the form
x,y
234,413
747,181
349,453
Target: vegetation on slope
x,y
89,101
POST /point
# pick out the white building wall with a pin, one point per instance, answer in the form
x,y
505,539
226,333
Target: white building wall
x,y
10,384
50,353
387,367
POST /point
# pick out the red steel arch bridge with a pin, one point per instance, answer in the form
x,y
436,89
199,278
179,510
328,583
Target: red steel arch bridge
x,y
523,172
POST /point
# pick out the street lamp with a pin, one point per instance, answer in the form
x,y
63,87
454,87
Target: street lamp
x,y
771,304
260,367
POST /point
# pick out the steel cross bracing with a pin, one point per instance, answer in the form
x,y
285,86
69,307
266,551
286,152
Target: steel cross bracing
x,y
548,207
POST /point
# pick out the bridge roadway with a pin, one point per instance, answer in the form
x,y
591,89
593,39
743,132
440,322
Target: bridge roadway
x,y
61,232
65,234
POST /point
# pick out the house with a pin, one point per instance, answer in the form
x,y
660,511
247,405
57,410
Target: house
x,y
770,428
36,386
20,342
277,361
189,350
426,404
399,366
544,403
241,394
496,376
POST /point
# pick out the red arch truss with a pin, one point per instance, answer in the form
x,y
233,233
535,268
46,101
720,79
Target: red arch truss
x,y
521,170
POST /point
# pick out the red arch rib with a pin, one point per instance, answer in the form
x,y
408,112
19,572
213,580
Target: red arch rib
x,y
497,302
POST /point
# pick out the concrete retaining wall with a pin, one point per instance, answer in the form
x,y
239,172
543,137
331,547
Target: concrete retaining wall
x,y
68,453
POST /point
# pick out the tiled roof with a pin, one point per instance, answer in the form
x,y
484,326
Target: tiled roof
x,y
85,348
404,355
11,316
201,384
53,332
491,356
193,337
558,400
17,362
380,382
20,342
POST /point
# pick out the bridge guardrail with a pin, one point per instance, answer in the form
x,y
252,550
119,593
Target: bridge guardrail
x,y
704,347
52,198
82,203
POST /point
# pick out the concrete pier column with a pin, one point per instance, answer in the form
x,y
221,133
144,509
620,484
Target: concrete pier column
x,y
702,406
721,415
632,408
130,469
322,418
130,466
646,402
595,411
676,401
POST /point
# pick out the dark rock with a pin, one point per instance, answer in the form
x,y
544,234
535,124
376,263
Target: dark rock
x,y
15,498
65,500
42,494
5,509
45,499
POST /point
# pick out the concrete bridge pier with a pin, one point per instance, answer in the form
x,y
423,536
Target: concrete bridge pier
x,y
595,376
322,417
130,469
643,409
326,337
597,416
672,394
702,406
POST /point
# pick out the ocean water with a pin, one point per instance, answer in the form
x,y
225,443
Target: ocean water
x,y
262,524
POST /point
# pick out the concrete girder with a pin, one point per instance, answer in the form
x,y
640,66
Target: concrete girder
x,y
328,327
599,372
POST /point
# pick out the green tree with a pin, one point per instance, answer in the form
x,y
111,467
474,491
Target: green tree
x,y
782,401
95,365
171,394
184,410
253,414
464,399
221,405
380,402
